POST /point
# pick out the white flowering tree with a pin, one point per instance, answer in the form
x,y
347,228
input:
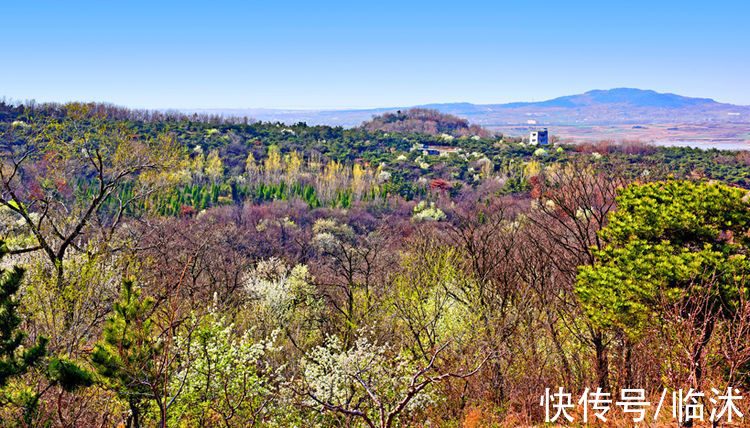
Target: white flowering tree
x,y
225,379
277,288
369,382
427,212
283,298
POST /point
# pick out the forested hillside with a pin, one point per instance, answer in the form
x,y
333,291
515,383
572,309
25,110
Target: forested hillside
x,y
170,270
425,121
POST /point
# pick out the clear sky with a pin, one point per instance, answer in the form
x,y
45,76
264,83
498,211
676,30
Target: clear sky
x,y
330,54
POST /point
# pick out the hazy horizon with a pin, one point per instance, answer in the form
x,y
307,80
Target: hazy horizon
x,y
314,109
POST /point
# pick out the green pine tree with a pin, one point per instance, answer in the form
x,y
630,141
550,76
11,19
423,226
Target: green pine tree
x,y
126,355
15,361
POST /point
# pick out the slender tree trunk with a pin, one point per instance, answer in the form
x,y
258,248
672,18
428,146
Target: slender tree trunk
x,y
496,382
697,361
698,350
134,418
567,371
628,361
602,362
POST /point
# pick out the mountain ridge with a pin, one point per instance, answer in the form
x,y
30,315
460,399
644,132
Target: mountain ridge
x,y
598,106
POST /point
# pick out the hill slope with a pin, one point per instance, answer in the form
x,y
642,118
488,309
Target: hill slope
x,y
428,121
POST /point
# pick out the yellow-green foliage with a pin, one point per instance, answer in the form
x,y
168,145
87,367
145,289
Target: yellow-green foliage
x,y
668,241
433,299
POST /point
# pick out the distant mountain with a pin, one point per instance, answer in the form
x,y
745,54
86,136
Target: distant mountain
x,y
619,96
597,107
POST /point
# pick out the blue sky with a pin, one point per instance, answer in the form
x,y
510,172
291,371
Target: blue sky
x,y
330,54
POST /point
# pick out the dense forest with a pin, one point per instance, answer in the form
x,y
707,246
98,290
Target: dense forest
x,y
164,270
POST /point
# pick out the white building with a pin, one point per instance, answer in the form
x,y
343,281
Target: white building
x,y
539,137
